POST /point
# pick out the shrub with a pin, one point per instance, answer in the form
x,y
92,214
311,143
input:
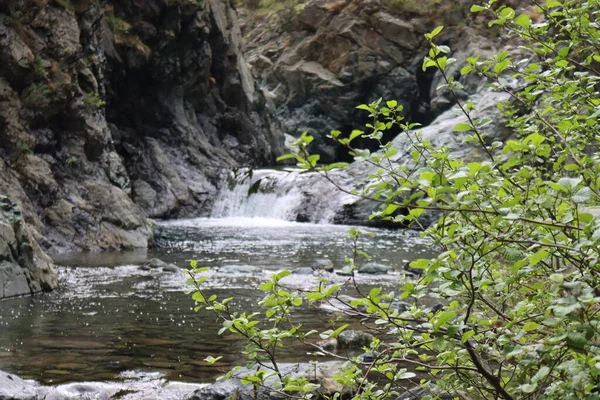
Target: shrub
x,y
518,273
36,93
92,100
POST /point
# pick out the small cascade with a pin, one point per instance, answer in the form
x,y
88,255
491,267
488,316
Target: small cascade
x,y
289,195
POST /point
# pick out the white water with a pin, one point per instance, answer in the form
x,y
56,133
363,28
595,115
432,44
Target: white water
x,y
284,195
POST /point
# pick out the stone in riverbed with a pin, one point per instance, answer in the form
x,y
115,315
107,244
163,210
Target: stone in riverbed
x,y
352,339
171,268
375,269
322,373
154,263
323,264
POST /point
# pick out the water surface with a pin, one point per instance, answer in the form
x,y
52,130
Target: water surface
x,y
110,316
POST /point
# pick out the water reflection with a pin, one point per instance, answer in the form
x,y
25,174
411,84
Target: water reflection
x,y
110,316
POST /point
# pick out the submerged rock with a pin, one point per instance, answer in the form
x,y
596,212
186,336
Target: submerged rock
x,y
154,263
24,268
375,269
352,339
324,264
321,373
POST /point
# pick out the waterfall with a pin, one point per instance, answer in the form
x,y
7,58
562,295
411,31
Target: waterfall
x,y
290,195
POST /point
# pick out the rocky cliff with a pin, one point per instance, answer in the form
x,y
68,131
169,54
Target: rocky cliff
x,y
115,111
317,60
24,267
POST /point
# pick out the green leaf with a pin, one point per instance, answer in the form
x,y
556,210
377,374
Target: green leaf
x,y
390,209
443,318
355,133
530,326
211,360
466,69
523,20
528,388
583,195
466,336
537,257
475,8
406,375
333,166
286,157
366,108
462,127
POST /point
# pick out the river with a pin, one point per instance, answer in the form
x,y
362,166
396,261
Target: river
x,y
110,318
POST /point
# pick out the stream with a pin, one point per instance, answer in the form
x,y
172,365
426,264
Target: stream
x,y
110,318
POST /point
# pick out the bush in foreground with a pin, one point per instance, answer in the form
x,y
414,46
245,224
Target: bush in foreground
x,y
518,269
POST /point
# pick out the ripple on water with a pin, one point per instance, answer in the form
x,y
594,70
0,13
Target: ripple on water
x,y
110,317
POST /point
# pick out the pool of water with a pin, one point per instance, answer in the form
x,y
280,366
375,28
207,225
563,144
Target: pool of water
x,y
111,316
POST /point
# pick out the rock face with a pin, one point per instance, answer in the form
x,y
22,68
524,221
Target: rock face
x,y
24,267
329,56
115,111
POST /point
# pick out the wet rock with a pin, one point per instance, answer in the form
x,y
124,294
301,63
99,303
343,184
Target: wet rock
x,y
324,264
24,268
375,269
87,390
171,268
333,59
321,373
14,388
400,306
352,339
154,263
328,344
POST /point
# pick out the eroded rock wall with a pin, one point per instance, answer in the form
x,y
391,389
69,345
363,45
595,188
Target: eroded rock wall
x,y
317,61
24,268
115,111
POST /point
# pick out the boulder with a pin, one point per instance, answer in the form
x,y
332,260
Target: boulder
x,y
324,264
154,263
352,339
375,269
24,268
320,373
171,268
14,388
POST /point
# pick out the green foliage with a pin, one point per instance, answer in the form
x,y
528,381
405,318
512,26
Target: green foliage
x,y
38,66
518,270
36,93
24,148
92,100
118,26
71,161
66,4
